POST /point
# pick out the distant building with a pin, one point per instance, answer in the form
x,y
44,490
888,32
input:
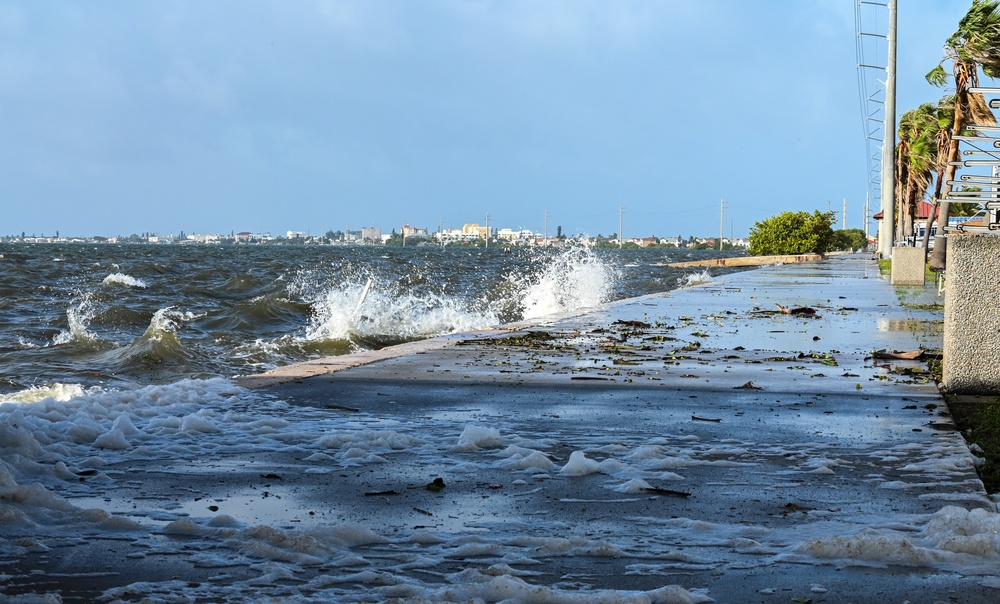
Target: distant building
x,y
296,235
409,231
522,237
371,234
479,231
243,237
454,236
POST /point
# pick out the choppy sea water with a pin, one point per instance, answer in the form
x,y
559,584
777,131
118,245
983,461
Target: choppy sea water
x,y
134,315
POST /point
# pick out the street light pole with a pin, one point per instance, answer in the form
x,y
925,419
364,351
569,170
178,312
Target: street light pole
x,y
887,230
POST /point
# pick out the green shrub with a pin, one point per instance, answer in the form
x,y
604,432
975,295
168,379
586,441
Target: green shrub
x,y
793,233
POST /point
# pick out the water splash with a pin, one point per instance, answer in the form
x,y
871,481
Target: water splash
x,y
79,318
123,279
573,280
694,279
380,314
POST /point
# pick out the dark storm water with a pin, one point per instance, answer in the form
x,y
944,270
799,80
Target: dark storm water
x,y
145,314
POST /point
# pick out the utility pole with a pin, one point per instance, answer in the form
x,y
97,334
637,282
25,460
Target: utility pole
x,y
887,230
867,210
845,213
722,222
487,230
546,227
621,238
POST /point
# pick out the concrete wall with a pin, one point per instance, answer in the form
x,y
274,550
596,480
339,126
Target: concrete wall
x,y
907,266
751,260
972,314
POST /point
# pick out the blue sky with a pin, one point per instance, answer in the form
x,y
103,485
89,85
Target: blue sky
x,y
123,117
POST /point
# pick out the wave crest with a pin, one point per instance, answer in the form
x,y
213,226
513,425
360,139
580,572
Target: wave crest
x,y
125,280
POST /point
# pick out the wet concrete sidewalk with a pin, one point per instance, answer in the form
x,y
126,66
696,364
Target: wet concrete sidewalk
x,y
771,455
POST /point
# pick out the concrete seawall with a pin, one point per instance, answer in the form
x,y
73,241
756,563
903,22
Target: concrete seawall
x,y
751,261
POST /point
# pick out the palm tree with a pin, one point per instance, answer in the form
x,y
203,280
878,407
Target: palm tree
x,y
916,156
945,113
976,44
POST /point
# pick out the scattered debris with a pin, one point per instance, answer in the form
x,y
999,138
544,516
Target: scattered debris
x,y
638,324
435,485
801,310
695,418
670,492
904,356
791,508
381,493
747,386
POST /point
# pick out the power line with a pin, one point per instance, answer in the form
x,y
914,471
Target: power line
x,y
871,32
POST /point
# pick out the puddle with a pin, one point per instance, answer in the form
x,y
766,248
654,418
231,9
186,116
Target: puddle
x,y
912,325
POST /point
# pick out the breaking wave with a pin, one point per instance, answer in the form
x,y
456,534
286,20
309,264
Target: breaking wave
x,y
124,280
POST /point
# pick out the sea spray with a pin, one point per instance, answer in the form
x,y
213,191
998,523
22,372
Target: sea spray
x,y
572,280
79,317
379,314
694,279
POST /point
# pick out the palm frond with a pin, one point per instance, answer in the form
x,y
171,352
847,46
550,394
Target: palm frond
x,y
979,111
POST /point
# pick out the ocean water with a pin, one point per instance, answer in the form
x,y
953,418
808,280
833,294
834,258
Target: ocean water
x,y
126,316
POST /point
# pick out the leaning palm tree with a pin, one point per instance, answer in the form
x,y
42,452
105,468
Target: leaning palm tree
x,y
916,156
901,172
945,112
975,45
923,159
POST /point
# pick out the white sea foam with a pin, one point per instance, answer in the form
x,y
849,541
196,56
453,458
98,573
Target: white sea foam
x,y
55,391
124,280
71,460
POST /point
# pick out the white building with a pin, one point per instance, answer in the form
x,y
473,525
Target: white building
x,y
522,237
455,236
